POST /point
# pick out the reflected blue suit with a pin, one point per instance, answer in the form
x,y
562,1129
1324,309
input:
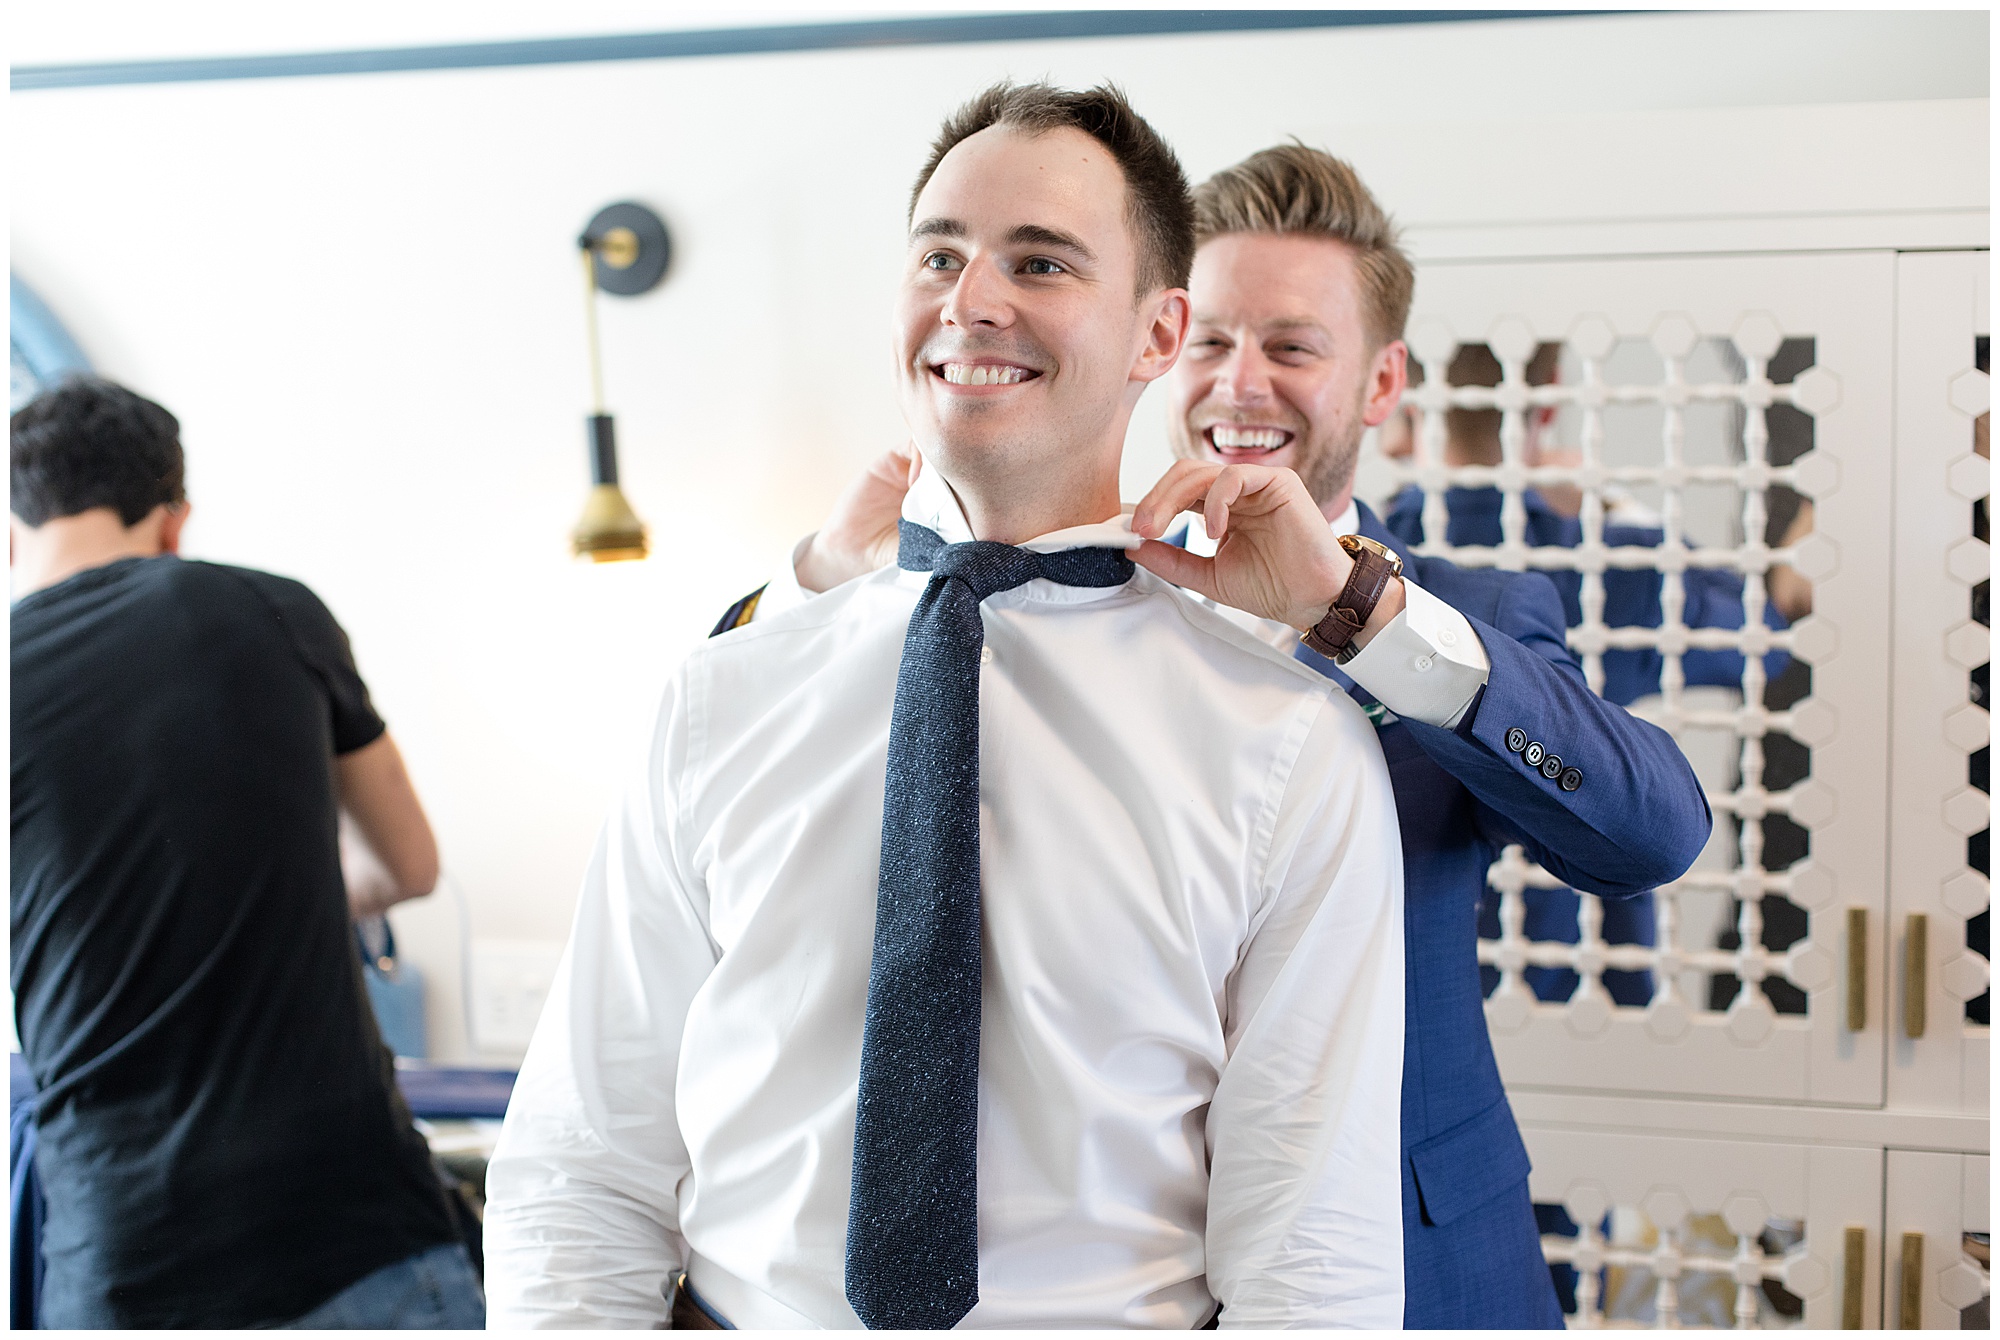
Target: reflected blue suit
x,y
1471,1249
1713,599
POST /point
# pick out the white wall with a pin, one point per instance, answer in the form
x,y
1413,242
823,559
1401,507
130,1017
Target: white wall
x,y
360,295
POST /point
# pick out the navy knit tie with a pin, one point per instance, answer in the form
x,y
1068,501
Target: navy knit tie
x,y
912,1220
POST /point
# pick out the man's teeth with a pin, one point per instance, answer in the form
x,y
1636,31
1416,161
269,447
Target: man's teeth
x,y
1246,439
983,374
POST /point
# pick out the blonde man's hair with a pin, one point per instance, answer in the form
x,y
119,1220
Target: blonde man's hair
x,y
1291,189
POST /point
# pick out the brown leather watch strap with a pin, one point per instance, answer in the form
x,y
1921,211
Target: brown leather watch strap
x,y
1334,635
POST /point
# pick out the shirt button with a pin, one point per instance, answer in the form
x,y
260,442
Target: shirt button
x,y
1446,636
986,655
1423,662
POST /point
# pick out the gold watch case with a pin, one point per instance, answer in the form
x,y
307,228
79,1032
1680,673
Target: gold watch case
x,y
1355,543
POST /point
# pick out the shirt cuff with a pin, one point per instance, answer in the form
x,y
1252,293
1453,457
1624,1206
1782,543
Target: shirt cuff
x,y
1427,665
783,591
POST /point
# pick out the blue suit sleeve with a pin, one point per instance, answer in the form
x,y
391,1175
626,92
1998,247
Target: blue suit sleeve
x,y
1636,820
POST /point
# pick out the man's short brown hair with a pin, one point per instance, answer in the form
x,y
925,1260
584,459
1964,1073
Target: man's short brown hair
x,y
1293,189
1156,189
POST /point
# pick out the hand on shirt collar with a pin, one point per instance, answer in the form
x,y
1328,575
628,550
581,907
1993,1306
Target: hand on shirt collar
x,y
1276,556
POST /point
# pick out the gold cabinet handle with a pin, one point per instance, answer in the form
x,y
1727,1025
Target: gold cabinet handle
x,y
1857,969
1853,1279
1916,953
1910,1315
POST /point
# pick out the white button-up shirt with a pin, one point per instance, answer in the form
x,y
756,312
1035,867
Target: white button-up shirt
x,y
1191,1050
1426,664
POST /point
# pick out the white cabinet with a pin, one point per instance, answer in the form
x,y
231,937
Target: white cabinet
x,y
1770,1109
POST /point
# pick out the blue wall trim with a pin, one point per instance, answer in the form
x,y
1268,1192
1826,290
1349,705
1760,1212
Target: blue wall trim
x,y
745,41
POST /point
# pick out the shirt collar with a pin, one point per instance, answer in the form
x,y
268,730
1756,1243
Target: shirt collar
x,y
931,503
1347,523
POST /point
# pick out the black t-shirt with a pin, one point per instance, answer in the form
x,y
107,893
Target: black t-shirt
x,y
221,1140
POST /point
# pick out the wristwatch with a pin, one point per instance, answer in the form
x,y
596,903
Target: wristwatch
x,y
1375,566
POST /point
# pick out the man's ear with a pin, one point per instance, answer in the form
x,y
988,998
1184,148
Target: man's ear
x,y
1388,378
1166,334
170,526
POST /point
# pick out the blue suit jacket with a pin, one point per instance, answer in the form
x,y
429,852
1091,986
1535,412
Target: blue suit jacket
x,y
1471,1249
1713,598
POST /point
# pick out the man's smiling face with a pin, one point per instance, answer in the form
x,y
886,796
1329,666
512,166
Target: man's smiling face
x,y
1018,325
1279,369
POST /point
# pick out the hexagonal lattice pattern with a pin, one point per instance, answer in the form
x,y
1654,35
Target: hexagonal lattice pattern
x,y
1675,336
1817,558
1751,1018
1816,474
1967,811
1968,644
1809,966
1678,343
1966,893
1968,560
1814,722
1816,391
1668,1262
1969,393
1812,885
1758,335
1965,728
1815,640
1964,977
1970,476
1959,1285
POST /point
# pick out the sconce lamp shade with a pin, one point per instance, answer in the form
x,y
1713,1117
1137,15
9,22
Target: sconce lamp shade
x,y
629,247
609,531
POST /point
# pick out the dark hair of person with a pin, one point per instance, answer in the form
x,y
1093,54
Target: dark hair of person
x,y
87,442
1156,189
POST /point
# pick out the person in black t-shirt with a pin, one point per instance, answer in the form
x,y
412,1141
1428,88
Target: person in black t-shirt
x,y
221,1141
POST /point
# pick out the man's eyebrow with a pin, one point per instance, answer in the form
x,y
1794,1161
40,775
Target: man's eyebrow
x,y
938,228
1276,324
1035,235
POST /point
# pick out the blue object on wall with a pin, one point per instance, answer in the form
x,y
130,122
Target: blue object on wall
x,y
448,1093
395,990
40,352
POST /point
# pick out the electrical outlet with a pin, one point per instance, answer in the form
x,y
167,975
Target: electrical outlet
x,y
510,980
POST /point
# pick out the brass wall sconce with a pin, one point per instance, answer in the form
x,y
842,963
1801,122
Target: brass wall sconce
x,y
625,252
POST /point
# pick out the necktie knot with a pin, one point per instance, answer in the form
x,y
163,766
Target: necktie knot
x,y
987,567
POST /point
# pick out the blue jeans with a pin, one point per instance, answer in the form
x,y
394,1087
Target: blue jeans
x,y
434,1290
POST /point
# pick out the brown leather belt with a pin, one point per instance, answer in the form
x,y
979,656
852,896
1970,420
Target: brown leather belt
x,y
687,1314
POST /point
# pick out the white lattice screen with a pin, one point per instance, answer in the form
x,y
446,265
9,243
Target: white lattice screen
x,y
1592,341
1721,421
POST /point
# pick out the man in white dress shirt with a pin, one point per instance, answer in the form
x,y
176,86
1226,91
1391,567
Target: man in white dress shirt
x,y
1300,293
1189,1049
